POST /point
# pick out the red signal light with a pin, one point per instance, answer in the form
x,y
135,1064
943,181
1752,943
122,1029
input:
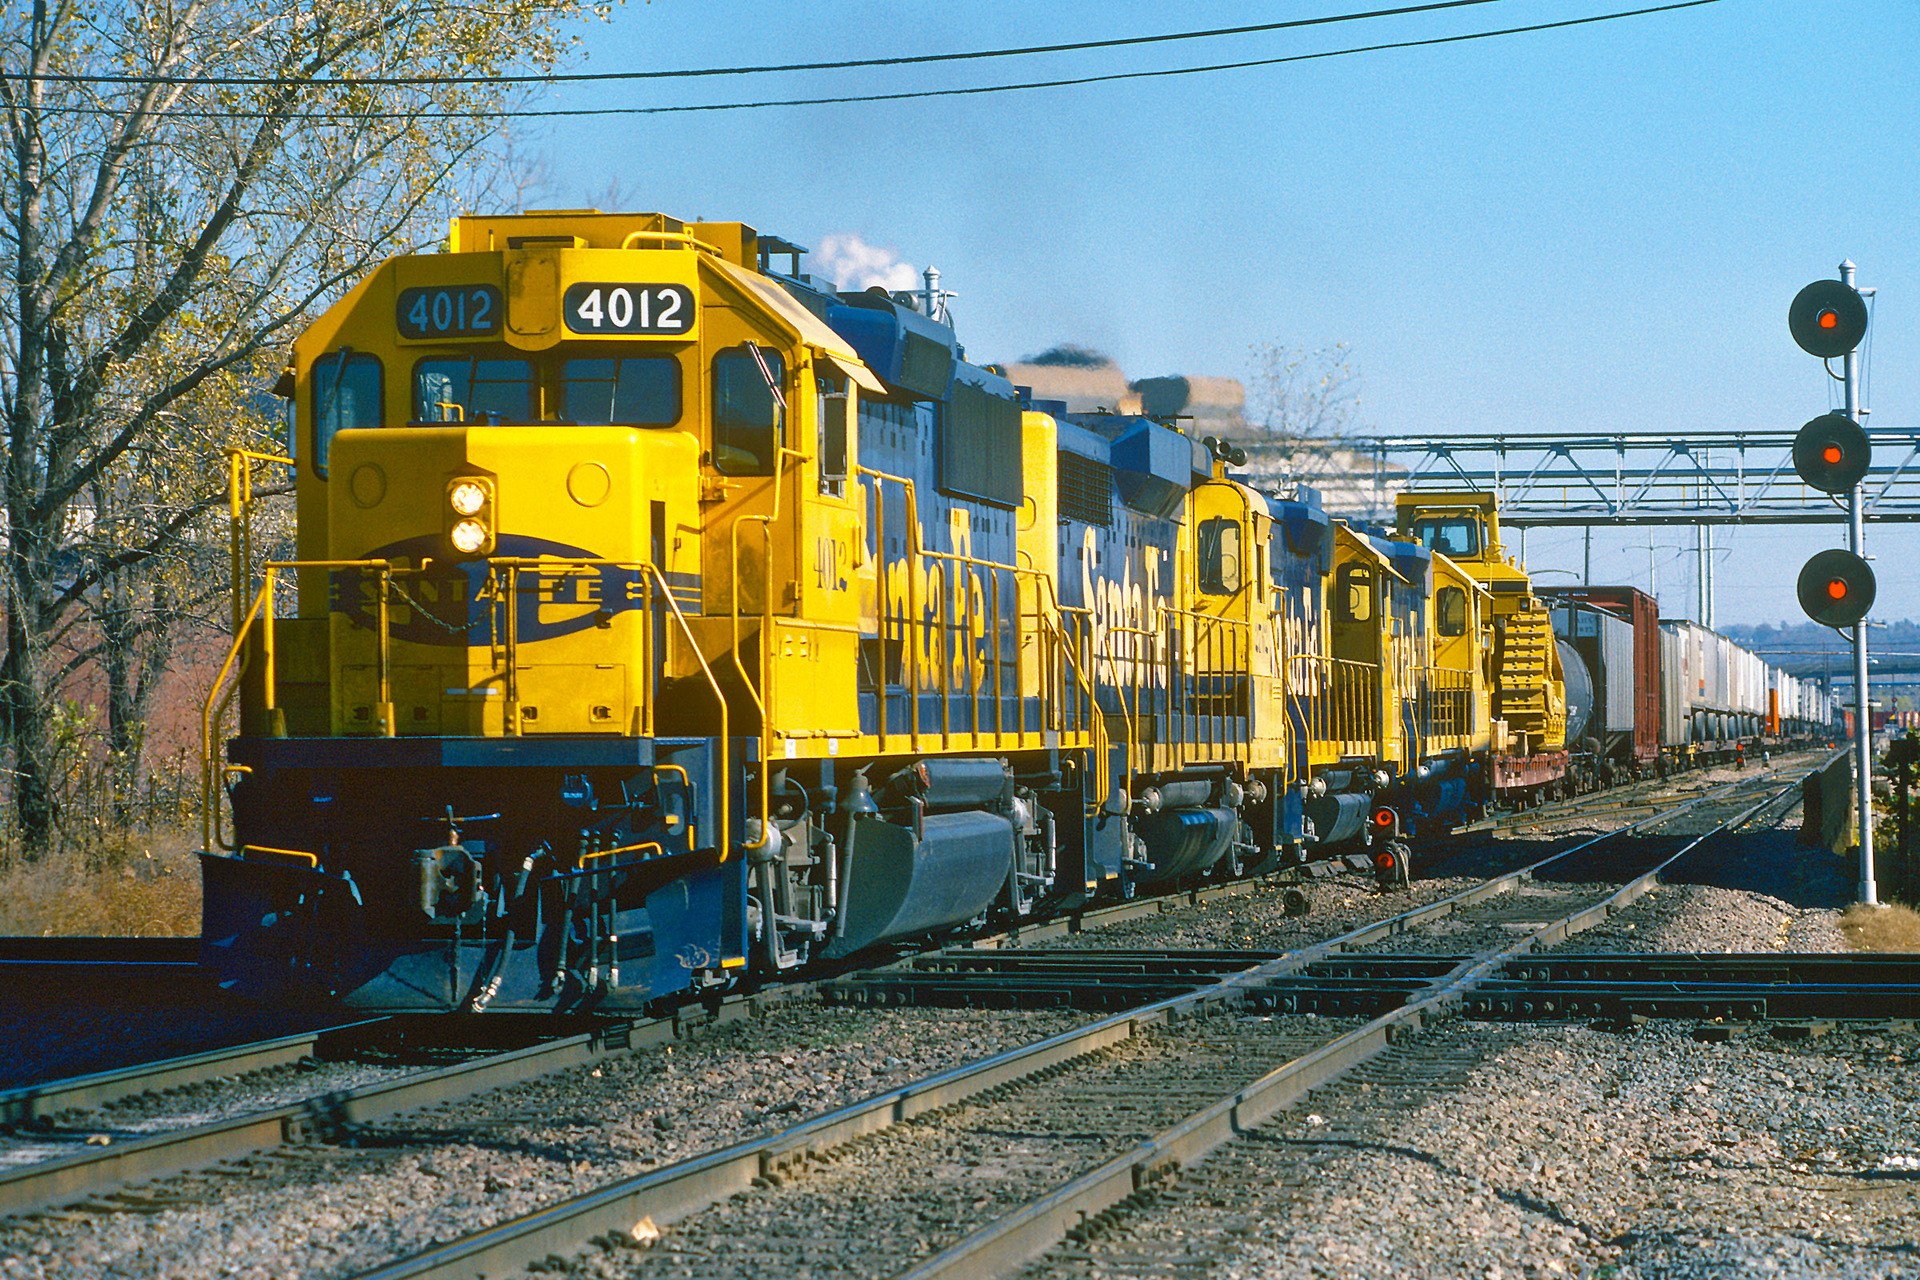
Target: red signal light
x,y
1383,817
1383,860
1836,588
1832,453
1827,318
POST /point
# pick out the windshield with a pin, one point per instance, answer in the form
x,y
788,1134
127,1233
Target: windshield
x,y
1454,536
641,391
468,390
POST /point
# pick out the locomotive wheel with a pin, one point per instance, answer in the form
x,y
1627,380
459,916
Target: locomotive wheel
x,y
1232,866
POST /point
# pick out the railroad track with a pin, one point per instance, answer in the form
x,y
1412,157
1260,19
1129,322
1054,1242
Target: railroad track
x,y
75,1145
57,964
348,1113
934,1136
1647,795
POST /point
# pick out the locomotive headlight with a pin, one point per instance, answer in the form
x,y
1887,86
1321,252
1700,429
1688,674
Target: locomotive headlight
x,y
468,537
469,516
467,497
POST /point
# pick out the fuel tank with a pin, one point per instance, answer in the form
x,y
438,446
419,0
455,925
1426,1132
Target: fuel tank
x,y
901,882
1337,818
1184,841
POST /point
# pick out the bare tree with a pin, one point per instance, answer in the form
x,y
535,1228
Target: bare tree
x,y
184,184
1296,396
1300,404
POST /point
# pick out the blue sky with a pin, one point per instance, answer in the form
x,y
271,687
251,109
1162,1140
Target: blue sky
x,y
1593,228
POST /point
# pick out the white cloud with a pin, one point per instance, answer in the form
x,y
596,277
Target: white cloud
x,y
852,263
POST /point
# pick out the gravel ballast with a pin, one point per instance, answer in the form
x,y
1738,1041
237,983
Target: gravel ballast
x,y
1574,1151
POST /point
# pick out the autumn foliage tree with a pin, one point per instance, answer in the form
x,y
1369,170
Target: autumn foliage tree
x,y
185,184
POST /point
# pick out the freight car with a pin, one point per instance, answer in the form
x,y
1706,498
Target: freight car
x,y
1645,695
662,618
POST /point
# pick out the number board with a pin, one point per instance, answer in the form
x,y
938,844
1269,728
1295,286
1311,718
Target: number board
x,y
660,310
449,311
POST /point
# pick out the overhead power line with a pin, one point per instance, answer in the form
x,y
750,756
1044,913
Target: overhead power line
x,y
508,113
1077,46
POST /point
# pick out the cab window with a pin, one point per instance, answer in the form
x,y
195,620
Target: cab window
x,y
346,393
749,424
1220,556
1454,536
831,448
472,390
1356,593
634,391
1450,611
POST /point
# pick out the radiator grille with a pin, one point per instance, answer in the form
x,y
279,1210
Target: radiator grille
x,y
1086,490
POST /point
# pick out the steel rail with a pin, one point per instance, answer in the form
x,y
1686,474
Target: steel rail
x,y
29,1103
665,1195
1629,798
1015,1239
103,1168
97,1169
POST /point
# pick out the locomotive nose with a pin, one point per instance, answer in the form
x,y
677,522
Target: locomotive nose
x,y
523,560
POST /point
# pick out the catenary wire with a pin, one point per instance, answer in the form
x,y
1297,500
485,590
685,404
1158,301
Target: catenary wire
x,y
508,113
846,65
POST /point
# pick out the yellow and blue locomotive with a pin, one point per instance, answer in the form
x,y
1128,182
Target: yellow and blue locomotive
x,y
661,617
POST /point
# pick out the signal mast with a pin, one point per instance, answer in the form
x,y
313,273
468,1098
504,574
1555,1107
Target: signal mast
x,y
1828,318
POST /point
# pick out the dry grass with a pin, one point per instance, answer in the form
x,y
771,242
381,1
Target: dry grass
x,y
143,885
1891,927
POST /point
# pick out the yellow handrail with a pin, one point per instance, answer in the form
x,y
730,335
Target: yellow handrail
x,y
653,573
581,861
1096,720
758,697
963,617
908,641
313,859
240,519
683,238
218,703
1447,694
214,709
1347,694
